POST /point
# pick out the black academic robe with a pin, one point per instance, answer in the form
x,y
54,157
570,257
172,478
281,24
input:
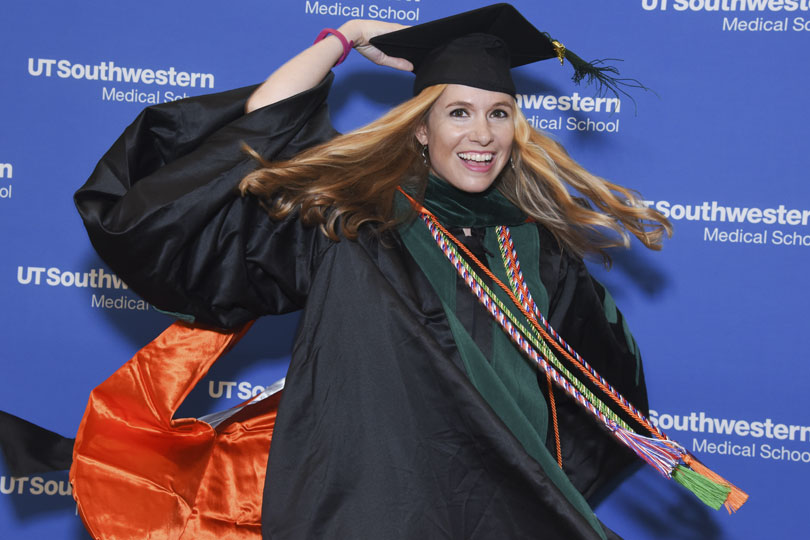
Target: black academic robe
x,y
380,433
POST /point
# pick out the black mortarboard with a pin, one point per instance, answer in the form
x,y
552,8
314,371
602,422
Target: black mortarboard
x,y
479,47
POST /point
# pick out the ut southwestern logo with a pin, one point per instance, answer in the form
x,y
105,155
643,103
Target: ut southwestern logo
x,y
96,278
230,389
738,22
761,439
574,103
714,211
34,485
741,218
109,72
727,5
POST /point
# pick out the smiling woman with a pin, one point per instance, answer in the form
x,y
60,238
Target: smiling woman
x,y
410,409
469,134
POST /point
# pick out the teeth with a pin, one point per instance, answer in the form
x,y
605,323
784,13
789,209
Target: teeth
x,y
475,156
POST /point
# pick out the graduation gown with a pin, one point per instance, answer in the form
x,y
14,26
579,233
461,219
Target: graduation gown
x,y
380,432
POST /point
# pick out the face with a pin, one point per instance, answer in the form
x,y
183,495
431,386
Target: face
x,y
469,134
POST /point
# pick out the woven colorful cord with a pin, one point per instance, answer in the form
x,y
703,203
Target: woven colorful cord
x,y
666,455
515,275
645,447
657,455
521,291
665,462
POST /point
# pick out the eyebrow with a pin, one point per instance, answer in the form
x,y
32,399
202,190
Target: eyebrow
x,y
470,105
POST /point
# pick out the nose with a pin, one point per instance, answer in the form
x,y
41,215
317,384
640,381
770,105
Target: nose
x,y
481,131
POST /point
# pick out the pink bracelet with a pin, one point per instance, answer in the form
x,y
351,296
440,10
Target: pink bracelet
x,y
347,45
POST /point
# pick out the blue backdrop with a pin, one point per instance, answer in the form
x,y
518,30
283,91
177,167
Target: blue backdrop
x,y
718,146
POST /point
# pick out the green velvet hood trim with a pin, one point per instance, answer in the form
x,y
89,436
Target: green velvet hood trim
x,y
456,208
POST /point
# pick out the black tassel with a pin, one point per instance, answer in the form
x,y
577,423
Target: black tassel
x,y
598,72
605,76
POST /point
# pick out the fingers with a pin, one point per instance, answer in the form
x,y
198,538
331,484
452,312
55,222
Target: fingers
x,y
398,63
361,32
378,57
376,28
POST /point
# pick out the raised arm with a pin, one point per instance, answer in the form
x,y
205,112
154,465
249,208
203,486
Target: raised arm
x,y
162,208
310,66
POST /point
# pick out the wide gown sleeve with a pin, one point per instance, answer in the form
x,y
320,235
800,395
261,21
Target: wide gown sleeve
x,y
162,209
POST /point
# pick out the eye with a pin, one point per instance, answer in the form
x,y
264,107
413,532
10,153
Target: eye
x,y
500,113
458,113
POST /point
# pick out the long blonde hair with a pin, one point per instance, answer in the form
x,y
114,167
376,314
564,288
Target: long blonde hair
x,y
351,180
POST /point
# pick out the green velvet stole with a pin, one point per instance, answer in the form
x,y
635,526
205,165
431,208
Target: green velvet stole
x,y
456,208
507,381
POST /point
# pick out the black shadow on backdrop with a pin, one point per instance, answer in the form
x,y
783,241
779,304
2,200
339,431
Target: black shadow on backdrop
x,y
662,508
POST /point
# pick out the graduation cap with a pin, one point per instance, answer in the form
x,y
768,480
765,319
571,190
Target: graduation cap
x,y
478,48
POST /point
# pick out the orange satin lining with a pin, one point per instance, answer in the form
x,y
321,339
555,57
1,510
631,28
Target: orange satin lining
x,y
137,473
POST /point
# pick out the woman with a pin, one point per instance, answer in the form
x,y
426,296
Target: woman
x,y
407,412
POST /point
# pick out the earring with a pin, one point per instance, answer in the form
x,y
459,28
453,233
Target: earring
x,y
512,162
425,155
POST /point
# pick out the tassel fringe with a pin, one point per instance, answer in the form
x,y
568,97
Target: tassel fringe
x,y
661,454
599,72
666,456
736,497
605,76
708,491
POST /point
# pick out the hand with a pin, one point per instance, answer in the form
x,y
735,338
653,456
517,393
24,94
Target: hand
x,y
360,31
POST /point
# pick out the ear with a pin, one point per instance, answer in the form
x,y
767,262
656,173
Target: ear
x,y
421,134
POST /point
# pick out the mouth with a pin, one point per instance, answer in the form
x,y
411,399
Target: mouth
x,y
477,157
477,161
